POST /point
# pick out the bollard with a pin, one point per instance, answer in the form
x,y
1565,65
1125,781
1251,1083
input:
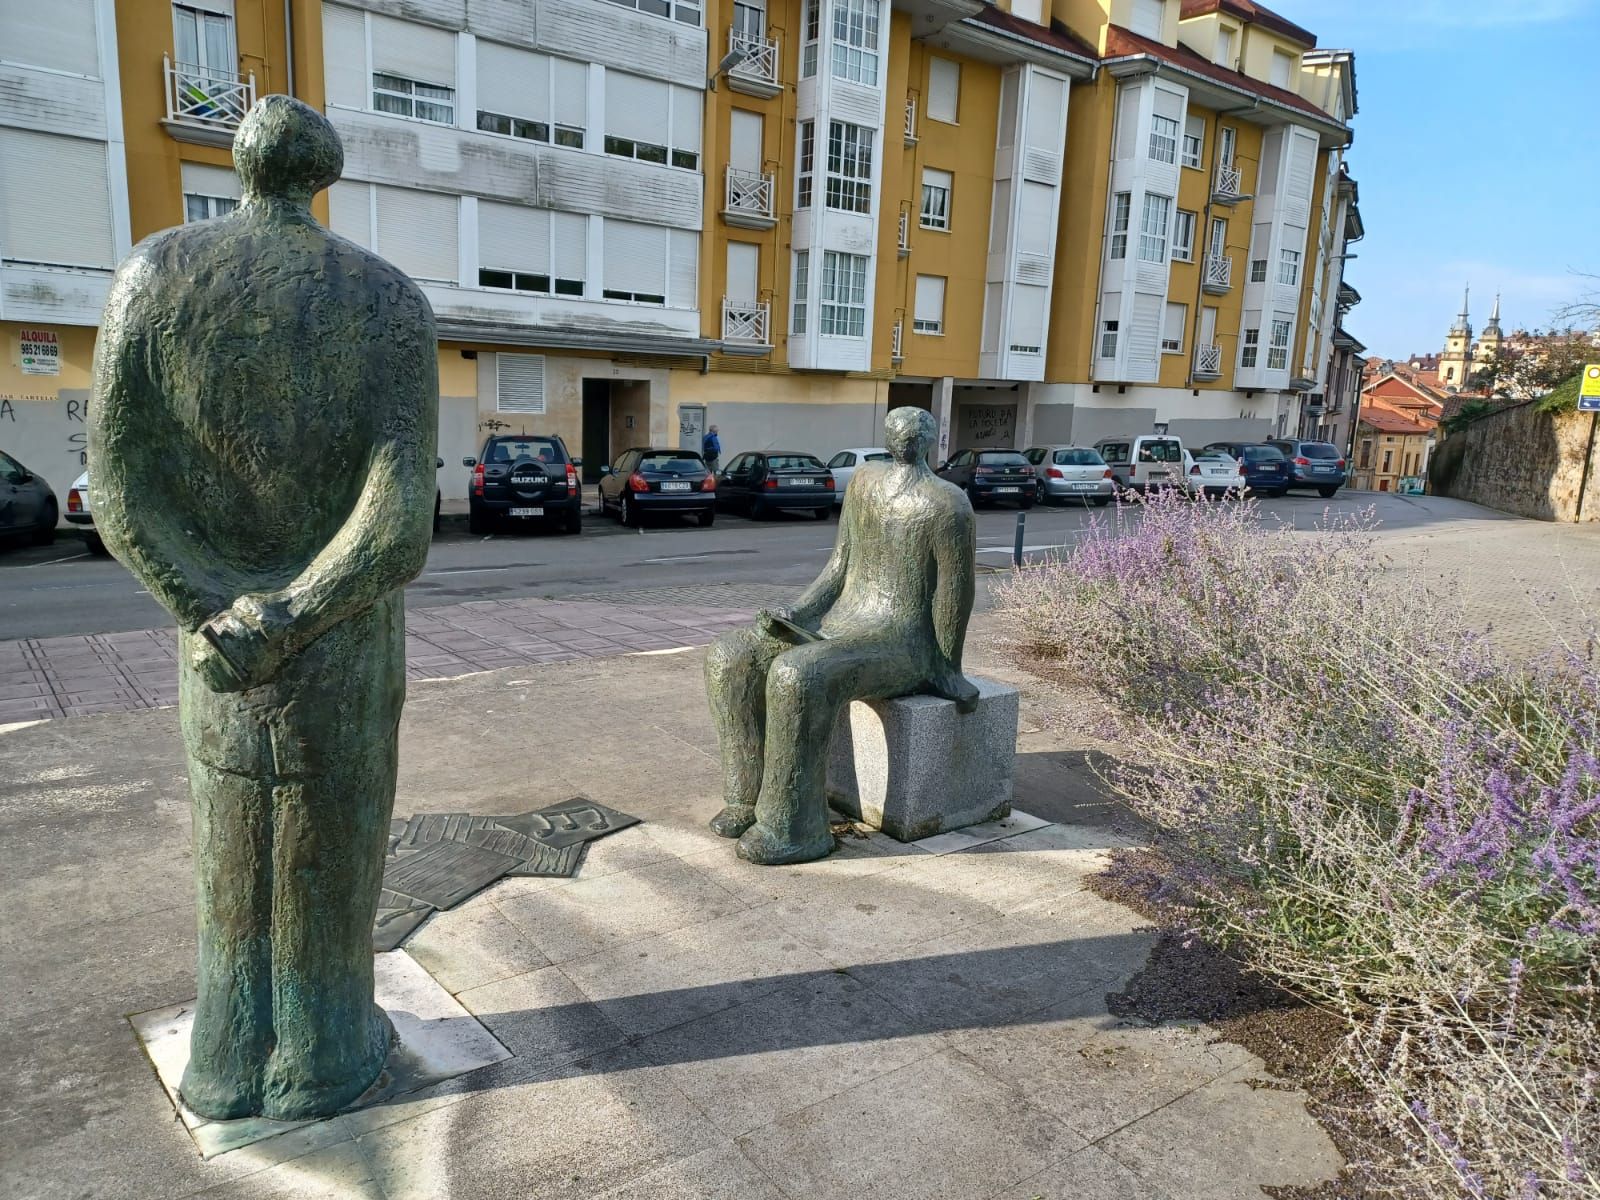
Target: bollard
x,y
1016,549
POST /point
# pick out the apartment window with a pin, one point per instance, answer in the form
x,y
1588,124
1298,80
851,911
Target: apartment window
x,y
849,184
208,191
1366,454
534,97
808,151
1153,225
650,152
1289,267
1225,47
522,281
1278,348
687,11
944,90
1194,141
1219,238
652,121
1183,237
808,55
1388,461
1163,139
802,273
1108,339
1258,270
203,40
1147,18
1249,347
536,251
935,199
412,98
1172,325
928,315
844,295
1121,211
1282,69
532,131
203,208
855,41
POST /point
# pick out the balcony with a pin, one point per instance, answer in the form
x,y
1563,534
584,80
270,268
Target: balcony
x,y
1218,276
205,106
911,121
747,199
1207,361
757,73
897,341
1227,190
903,242
745,326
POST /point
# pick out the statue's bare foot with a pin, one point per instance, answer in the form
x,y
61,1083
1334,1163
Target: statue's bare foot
x,y
760,845
733,820
218,1096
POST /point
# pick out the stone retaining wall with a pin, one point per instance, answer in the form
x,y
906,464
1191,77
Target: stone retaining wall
x,y
1521,461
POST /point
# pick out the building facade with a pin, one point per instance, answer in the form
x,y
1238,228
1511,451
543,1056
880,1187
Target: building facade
x,y
1046,220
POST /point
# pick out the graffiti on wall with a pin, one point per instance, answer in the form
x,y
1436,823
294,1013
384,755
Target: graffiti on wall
x,y
47,434
987,425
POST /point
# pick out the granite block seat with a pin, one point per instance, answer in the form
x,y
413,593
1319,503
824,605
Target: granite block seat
x,y
916,766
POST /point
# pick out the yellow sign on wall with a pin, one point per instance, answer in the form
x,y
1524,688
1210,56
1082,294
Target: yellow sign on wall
x,y
1589,389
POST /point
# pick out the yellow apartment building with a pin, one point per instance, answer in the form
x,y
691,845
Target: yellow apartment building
x,y
1043,220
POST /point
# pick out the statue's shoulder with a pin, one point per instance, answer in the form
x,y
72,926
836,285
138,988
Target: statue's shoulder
x,y
372,271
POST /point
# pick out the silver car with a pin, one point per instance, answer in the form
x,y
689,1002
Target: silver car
x,y
844,464
1070,473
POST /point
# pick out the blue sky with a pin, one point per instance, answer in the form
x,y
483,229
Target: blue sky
x,y
1477,149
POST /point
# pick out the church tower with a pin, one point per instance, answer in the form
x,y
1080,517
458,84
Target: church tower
x,y
1456,360
1493,338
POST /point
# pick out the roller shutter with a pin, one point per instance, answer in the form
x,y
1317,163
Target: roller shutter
x,y
417,232
55,200
519,383
60,35
513,237
513,82
635,258
414,51
636,108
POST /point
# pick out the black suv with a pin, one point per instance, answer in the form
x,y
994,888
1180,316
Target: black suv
x,y
524,478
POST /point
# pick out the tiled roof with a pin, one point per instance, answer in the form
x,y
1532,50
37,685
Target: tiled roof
x,y
1121,42
1256,14
1389,420
1056,35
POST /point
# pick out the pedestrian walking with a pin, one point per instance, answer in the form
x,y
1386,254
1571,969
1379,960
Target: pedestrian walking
x,y
711,448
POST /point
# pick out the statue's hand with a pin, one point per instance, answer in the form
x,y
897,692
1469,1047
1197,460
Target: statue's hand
x,y
242,647
953,685
768,621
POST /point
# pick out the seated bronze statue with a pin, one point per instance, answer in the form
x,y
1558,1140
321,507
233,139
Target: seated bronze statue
x,y
887,617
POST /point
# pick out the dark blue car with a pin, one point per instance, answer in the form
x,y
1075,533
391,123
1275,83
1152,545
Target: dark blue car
x,y
1313,465
1266,471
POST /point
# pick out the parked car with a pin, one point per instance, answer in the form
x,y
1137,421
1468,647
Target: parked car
x,y
1070,473
78,514
988,476
844,464
644,481
524,478
760,482
1266,471
27,505
1141,461
1212,473
1317,465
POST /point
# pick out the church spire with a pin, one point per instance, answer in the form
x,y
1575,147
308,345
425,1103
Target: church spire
x,y
1462,324
1494,317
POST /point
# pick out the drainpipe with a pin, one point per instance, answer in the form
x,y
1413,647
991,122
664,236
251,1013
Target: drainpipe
x,y
288,44
1204,232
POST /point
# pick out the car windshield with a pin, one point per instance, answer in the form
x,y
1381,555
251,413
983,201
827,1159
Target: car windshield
x,y
1169,451
877,457
1079,458
505,450
1214,456
1262,454
1318,450
793,462
1001,458
678,462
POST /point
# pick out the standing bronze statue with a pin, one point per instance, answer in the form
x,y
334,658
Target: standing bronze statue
x,y
261,450
887,617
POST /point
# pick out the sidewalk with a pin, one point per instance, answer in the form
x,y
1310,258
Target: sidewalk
x,y
886,1023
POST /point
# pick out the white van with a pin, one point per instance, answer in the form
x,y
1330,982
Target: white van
x,y
1143,460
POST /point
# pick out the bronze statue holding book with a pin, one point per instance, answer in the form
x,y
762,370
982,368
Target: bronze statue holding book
x,y
887,617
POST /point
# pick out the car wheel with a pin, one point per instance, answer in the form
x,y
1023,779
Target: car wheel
x,y
628,511
1038,491
707,518
45,532
573,522
758,511
477,520
1278,493
1327,493
96,545
822,514
436,512
972,498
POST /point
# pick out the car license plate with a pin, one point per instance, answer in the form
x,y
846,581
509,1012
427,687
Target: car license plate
x,y
676,487
1083,487
1006,489
1158,474
797,482
527,512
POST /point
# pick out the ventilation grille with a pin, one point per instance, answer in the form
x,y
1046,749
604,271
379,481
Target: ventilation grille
x,y
519,383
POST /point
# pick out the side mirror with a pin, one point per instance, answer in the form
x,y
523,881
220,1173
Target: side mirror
x,y
437,462
26,477
577,462
469,462
606,470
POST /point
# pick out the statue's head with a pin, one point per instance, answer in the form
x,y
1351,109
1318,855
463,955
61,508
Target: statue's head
x,y
909,433
286,150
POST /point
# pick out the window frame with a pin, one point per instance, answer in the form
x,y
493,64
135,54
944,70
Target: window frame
x,y
856,40
936,216
1258,270
923,326
216,206
1109,330
843,295
1184,244
408,96
806,165
1121,219
1162,146
1249,348
1193,161
811,33
802,278
1167,345
850,146
1150,249
685,12
1288,265
1279,349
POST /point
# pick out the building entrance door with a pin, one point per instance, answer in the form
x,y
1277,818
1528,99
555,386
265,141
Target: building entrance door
x,y
596,427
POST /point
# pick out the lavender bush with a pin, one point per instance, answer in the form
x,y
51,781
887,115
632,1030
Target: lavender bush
x,y
1363,799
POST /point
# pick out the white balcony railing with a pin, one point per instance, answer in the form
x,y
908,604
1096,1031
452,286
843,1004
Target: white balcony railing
x,y
1207,361
760,62
745,321
897,339
911,120
1227,181
1218,273
748,193
201,96
904,241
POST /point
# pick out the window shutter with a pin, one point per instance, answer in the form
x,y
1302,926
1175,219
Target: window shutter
x,y
418,52
1128,145
1028,10
60,35
1173,322
635,257
744,140
1034,226
1169,104
571,83
55,199
685,119
417,232
1143,334
1147,17
519,383
513,82
1302,166
636,108
1027,316
944,89
1042,128
344,45
199,179
683,279
571,232
930,299
350,211
513,237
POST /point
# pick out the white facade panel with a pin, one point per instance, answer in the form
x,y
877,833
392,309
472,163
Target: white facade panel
x,y
202,179
350,211
614,36
61,35
344,53
418,232
52,296
45,102
55,200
